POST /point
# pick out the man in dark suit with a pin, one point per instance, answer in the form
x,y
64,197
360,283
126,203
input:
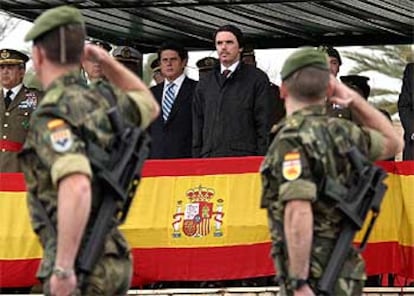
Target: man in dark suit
x,y
231,104
406,110
171,132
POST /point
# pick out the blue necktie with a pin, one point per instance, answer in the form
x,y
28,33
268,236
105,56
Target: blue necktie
x,y
168,101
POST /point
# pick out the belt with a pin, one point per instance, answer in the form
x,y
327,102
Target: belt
x,y
11,146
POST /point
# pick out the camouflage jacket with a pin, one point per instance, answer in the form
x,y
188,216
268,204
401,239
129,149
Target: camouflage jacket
x,y
308,146
69,114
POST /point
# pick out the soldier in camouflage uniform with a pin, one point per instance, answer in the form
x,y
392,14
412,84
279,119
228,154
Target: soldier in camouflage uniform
x,y
57,170
308,146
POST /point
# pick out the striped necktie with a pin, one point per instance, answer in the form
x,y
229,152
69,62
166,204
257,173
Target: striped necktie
x,y
168,101
7,98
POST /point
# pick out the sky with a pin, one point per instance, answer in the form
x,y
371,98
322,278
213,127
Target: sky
x,y
269,60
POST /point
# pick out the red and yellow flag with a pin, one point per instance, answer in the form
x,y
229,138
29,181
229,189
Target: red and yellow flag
x,y
199,219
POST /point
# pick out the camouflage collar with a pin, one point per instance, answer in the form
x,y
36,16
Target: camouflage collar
x,y
311,110
72,77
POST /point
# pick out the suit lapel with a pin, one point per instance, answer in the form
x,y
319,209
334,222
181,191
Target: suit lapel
x,y
158,90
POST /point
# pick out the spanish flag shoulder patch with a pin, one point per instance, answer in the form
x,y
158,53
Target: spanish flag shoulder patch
x,y
292,167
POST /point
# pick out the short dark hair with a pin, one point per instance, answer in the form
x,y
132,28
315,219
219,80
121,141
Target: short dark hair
x,y
332,52
74,40
232,29
308,84
170,45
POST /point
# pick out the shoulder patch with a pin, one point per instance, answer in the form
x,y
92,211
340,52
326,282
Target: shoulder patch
x,y
60,136
292,167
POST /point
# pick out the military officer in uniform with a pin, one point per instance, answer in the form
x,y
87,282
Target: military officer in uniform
x,y
308,147
92,69
58,172
156,71
205,65
130,58
17,103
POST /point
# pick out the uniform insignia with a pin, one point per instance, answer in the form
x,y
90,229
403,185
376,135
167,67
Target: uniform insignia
x,y
292,167
60,136
199,217
126,53
5,54
30,102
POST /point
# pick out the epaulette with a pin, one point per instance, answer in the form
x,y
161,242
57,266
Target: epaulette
x,y
292,126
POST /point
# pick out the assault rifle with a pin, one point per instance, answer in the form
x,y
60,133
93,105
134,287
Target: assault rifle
x,y
363,194
117,180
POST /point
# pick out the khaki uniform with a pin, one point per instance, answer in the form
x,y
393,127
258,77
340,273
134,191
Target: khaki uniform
x,y
307,147
14,123
70,113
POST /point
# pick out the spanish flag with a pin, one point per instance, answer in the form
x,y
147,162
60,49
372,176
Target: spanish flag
x,y
199,220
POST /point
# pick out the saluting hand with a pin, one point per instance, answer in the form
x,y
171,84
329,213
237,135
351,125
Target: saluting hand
x,y
94,53
342,94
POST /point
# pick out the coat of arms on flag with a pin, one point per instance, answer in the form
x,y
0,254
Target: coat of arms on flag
x,y
199,216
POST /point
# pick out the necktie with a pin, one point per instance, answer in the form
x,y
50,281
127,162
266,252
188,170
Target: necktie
x,y
7,98
168,101
226,73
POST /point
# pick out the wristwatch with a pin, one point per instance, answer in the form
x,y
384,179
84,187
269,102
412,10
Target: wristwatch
x,y
62,273
296,283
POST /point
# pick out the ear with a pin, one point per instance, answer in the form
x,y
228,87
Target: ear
x,y
331,86
283,91
38,58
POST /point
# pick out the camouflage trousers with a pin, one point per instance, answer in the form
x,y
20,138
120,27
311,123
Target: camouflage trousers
x,y
343,287
111,276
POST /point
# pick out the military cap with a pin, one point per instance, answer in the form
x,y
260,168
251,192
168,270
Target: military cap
x,y
12,57
359,82
54,18
126,54
304,57
206,63
332,52
155,65
100,43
